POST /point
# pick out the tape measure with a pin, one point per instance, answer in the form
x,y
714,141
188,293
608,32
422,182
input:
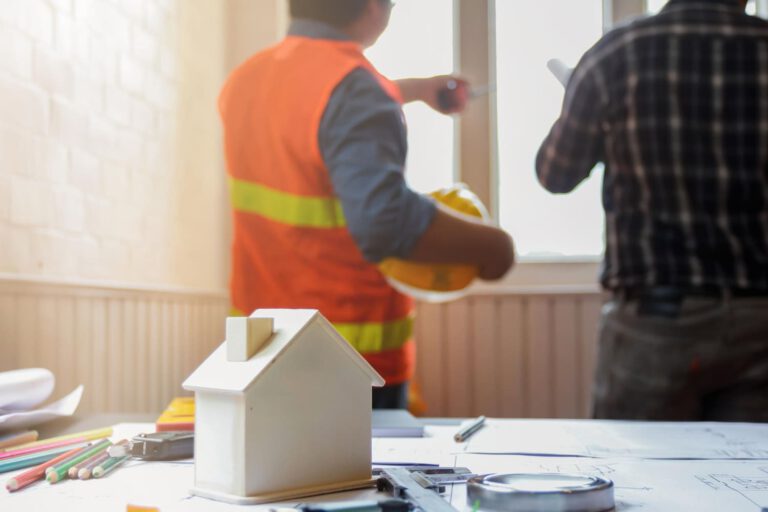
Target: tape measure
x,y
539,492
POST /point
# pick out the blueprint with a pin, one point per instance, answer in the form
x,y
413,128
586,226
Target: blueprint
x,y
647,485
650,440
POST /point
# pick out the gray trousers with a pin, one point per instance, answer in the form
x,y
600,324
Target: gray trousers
x,y
707,359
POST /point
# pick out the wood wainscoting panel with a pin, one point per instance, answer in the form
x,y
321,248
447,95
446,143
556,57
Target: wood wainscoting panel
x,y
130,347
526,355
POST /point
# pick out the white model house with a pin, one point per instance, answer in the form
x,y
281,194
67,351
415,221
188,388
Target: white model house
x,y
282,410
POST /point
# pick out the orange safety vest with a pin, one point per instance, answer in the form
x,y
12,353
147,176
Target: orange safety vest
x,y
291,246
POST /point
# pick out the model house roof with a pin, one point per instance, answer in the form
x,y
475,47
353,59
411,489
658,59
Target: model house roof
x,y
216,373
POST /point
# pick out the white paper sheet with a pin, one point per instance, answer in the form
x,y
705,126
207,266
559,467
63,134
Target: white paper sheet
x,y
436,447
63,407
657,440
21,390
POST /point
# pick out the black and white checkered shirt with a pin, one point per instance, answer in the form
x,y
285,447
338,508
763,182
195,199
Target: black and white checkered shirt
x,y
676,105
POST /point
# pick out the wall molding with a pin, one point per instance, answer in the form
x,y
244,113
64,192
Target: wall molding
x,y
21,283
481,290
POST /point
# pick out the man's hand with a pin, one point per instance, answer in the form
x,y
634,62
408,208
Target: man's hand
x,y
498,260
457,239
445,93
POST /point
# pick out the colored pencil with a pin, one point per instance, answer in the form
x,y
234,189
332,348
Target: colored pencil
x,y
18,438
40,448
26,461
88,435
85,472
36,473
59,471
73,471
85,468
82,450
45,446
108,465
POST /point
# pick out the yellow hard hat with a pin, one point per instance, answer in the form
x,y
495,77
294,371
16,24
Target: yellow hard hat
x,y
434,282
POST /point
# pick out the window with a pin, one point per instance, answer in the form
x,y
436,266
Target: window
x,y
419,42
654,6
529,98
528,34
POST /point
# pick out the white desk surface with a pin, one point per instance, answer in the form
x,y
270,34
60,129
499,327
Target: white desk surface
x,y
615,450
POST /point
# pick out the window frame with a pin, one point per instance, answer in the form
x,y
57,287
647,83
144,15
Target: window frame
x,y
477,147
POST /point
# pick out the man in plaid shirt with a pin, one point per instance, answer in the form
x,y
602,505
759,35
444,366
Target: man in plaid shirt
x,y
676,106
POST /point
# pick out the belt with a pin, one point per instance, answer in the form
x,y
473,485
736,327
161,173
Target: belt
x,y
672,293
666,301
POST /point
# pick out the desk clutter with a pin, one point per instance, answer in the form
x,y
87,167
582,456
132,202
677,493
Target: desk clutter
x,y
648,484
86,455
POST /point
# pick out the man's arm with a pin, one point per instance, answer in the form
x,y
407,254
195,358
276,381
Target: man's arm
x,y
574,145
363,142
451,239
428,90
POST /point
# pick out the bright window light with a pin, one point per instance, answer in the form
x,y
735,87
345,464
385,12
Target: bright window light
x,y
529,99
654,6
417,43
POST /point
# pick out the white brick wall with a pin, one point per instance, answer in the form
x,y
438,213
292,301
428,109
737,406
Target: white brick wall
x,y
15,53
23,105
110,157
5,207
31,202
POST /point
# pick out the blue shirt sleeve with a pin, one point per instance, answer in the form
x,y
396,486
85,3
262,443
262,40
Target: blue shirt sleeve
x,y
363,143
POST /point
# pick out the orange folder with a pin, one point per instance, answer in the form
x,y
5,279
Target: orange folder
x,y
179,415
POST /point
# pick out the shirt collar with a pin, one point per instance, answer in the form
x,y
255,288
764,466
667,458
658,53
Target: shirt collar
x,y
304,27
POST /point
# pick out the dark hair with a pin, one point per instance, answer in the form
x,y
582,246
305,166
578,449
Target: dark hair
x,y
338,13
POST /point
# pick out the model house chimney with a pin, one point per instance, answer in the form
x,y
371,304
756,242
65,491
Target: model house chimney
x,y
245,336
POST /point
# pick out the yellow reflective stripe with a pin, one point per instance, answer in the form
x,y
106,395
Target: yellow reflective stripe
x,y
233,311
302,211
376,337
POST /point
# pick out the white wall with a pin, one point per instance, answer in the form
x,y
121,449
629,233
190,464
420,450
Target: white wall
x,y
253,25
114,220
110,158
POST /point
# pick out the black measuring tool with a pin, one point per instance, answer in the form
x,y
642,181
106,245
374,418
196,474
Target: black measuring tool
x,y
420,485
